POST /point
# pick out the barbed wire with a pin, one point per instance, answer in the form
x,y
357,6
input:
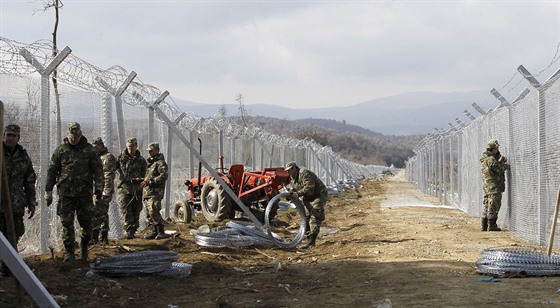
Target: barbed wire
x,y
83,75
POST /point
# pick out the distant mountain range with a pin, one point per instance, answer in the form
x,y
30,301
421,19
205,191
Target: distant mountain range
x,y
404,114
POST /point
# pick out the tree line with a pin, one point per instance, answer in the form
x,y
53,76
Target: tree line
x,y
352,142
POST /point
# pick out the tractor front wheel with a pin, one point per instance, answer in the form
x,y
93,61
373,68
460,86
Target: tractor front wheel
x,y
215,202
183,212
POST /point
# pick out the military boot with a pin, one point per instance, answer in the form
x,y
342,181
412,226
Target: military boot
x,y
492,226
161,232
484,222
310,241
154,233
83,250
105,237
94,237
69,253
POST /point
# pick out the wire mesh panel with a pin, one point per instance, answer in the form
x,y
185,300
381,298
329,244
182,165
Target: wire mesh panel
x,y
529,135
549,150
524,171
471,178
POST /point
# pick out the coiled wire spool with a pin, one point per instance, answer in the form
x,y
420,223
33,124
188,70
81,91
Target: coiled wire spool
x,y
517,261
280,242
240,235
177,269
243,234
134,263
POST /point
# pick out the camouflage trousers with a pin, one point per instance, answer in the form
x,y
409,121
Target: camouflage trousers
x,y
315,212
492,204
153,210
131,206
80,207
100,216
18,226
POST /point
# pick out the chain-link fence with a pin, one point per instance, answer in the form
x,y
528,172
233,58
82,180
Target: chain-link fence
x,y
115,104
447,162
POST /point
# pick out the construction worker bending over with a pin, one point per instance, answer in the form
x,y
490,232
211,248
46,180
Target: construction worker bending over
x,y
313,191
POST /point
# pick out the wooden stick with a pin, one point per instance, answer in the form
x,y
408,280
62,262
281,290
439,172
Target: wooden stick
x,y
553,229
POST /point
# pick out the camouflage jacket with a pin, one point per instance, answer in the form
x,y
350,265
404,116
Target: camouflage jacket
x,y
156,175
74,169
308,185
127,168
493,173
21,180
108,164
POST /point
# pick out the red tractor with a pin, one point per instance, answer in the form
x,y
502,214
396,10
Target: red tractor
x,y
254,189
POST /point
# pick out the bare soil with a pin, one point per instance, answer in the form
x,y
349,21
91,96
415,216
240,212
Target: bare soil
x,y
381,256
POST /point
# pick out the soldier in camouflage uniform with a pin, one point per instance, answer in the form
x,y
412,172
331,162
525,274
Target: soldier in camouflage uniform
x,y
100,222
154,188
307,184
130,170
74,168
493,166
21,183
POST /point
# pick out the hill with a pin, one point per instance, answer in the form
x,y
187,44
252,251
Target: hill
x,y
405,114
352,142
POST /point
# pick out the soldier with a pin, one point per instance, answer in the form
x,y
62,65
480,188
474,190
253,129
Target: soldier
x,y
21,183
154,188
493,166
100,221
307,184
74,168
130,169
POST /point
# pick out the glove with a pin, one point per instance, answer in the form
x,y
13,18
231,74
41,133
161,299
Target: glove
x,y
502,159
31,211
106,198
48,197
98,194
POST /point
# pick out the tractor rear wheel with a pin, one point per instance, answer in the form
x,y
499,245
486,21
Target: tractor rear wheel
x,y
215,202
183,212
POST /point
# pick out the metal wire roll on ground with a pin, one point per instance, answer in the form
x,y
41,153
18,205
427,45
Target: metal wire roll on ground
x,y
240,235
518,261
280,242
141,262
245,234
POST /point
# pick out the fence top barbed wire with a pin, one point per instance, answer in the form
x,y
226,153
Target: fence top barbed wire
x,y
83,75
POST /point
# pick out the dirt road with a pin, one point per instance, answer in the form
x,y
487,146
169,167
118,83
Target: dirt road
x,y
378,253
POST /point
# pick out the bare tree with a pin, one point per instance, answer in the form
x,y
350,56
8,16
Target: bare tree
x,y
12,113
26,114
242,110
31,119
56,5
222,112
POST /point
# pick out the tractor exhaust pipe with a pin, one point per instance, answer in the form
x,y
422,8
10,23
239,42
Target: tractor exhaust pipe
x,y
199,165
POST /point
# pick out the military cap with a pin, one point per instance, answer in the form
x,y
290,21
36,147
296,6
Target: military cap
x,y
74,129
493,144
153,146
290,165
97,141
131,141
12,129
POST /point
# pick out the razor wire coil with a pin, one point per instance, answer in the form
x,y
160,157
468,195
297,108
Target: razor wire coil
x,y
141,262
522,261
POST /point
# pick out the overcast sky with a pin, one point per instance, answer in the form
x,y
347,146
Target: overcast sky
x,y
302,54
